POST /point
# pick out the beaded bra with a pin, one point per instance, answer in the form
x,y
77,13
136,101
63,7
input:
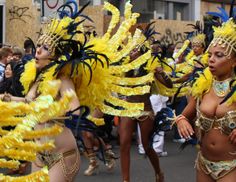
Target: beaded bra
x,y
226,123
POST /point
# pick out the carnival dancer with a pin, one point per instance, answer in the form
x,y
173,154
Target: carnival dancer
x,y
146,123
213,103
92,68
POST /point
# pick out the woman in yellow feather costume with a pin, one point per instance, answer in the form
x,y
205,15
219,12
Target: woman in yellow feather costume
x,y
146,122
89,67
213,103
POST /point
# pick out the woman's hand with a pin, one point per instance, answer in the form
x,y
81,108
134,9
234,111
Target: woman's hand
x,y
184,128
1,96
159,70
232,137
163,77
6,97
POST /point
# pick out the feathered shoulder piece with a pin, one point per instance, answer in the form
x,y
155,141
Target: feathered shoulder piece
x,y
202,84
100,81
30,75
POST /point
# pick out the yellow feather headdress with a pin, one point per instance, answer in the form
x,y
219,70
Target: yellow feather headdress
x,y
62,28
225,36
199,39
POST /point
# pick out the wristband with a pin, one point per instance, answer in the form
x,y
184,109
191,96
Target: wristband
x,y
179,118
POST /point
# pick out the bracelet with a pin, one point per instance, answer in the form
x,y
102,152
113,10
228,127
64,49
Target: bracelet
x,y
6,98
179,118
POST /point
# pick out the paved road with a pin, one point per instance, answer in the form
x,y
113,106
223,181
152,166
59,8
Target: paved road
x,y
178,166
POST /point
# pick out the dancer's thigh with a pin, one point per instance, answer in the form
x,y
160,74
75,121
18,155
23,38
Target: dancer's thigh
x,y
230,177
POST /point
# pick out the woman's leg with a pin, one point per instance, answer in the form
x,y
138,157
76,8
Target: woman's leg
x,y
66,169
202,177
89,142
36,165
231,176
108,153
146,128
127,126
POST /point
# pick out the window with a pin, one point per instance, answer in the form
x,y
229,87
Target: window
x,y
1,23
181,11
83,2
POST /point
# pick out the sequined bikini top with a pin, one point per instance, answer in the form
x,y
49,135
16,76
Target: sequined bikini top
x,y
226,124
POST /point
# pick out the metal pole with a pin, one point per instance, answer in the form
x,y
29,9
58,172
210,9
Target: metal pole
x,y
42,15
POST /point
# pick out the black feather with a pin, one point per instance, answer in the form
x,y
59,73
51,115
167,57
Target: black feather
x,y
232,90
193,141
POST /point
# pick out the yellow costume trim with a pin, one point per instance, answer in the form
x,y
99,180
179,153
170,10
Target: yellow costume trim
x,y
9,164
122,103
133,65
52,131
204,59
96,121
28,146
115,18
131,91
14,108
18,154
182,49
3,132
203,85
137,39
43,109
39,176
188,66
159,88
10,121
115,112
29,76
133,81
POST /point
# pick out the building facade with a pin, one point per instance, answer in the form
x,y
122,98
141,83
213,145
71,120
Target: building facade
x,y
20,19
183,10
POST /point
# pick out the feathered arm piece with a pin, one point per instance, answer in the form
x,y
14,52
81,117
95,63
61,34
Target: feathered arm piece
x,y
114,20
183,48
41,175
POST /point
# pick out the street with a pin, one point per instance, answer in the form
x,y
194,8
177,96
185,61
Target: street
x,y
178,166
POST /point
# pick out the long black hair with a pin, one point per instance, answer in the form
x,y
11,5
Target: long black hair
x,y
6,84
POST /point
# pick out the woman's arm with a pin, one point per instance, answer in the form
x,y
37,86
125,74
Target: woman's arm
x,y
190,110
183,78
67,84
183,121
8,97
232,137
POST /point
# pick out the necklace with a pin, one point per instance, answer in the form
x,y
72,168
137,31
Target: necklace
x,y
221,88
